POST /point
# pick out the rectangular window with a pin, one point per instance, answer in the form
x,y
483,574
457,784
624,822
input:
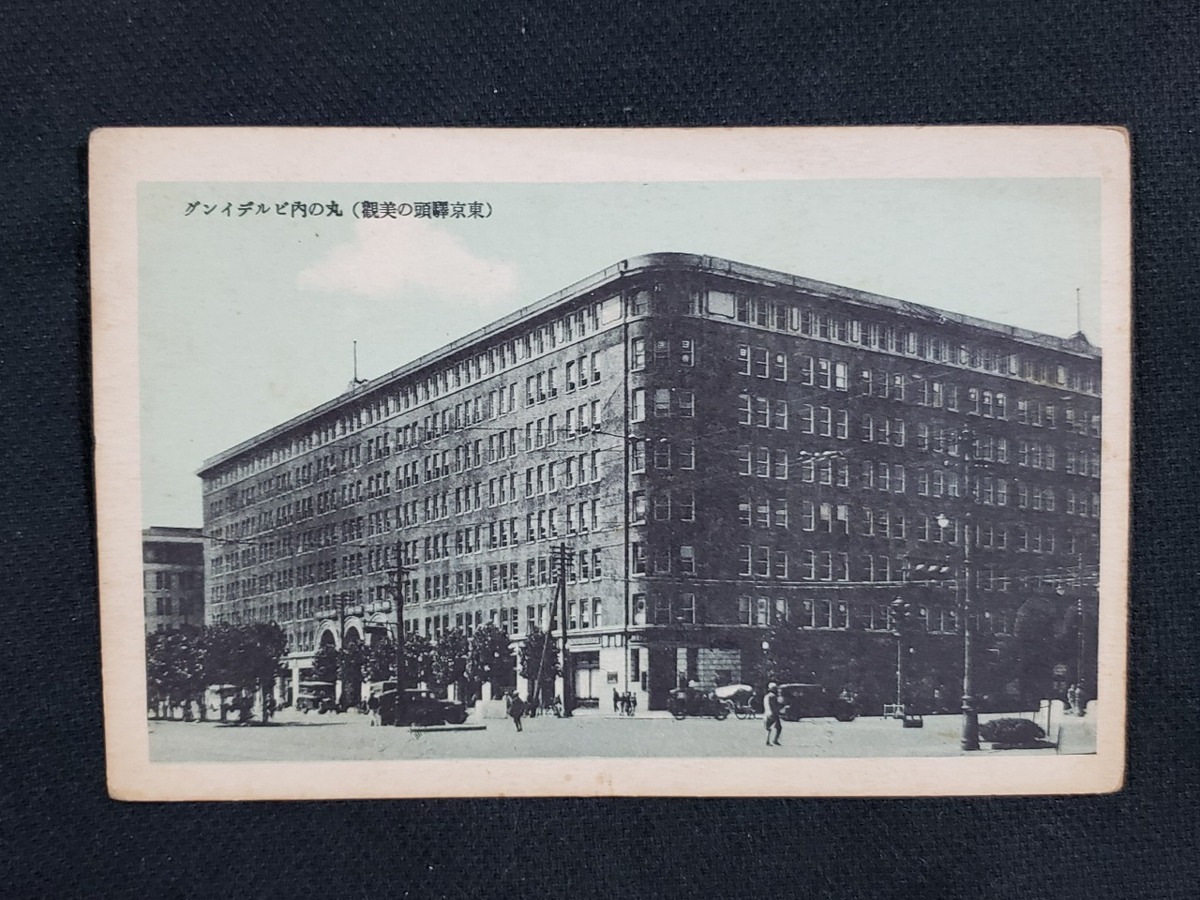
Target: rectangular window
x,y
761,362
637,355
638,409
762,562
745,409
744,460
779,367
687,560
780,566
687,353
762,412
762,463
662,403
687,454
662,454
687,404
637,455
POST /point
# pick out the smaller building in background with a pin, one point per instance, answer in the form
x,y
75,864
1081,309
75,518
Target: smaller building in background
x,y
173,577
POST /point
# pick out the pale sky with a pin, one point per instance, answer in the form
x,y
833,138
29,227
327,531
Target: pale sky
x,y
246,322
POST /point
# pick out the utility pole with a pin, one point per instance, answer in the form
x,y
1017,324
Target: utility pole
x,y
970,715
398,589
565,556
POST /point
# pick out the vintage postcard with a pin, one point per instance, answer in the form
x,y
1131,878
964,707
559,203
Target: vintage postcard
x,y
775,462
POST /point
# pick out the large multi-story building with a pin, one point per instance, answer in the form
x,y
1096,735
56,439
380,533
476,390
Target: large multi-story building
x,y
173,578
720,446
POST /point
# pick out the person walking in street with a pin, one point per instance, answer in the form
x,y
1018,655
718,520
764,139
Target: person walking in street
x,y
516,709
373,708
771,710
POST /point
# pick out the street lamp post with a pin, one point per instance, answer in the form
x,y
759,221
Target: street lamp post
x,y
970,715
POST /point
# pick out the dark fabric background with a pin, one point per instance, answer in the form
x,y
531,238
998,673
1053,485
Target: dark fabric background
x,y
64,71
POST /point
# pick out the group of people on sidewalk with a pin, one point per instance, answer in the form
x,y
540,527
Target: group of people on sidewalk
x,y
1077,701
624,704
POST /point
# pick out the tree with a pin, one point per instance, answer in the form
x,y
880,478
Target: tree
x,y
539,663
418,660
490,659
158,668
379,661
449,658
325,664
186,680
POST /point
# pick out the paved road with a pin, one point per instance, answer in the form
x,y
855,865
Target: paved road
x,y
349,737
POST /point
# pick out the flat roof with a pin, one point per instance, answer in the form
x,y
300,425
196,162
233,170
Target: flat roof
x,y
1077,345
169,532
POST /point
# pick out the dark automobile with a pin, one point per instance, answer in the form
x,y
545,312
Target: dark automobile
x,y
689,701
315,695
808,701
420,708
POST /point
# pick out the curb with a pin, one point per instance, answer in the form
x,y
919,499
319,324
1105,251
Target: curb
x,y
421,729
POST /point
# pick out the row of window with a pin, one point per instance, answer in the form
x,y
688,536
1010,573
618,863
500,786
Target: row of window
x,y
543,386
763,412
582,614
586,565
166,581
682,351
454,376
664,506
667,402
784,316
758,561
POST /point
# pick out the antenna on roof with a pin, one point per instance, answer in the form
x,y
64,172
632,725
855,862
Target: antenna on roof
x,y
1078,312
355,381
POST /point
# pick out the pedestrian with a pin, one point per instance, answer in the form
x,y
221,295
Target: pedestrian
x,y
1072,700
373,708
1080,700
771,708
616,701
516,709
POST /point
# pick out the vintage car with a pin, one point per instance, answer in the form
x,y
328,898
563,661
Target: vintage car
x,y
809,701
691,701
420,708
315,695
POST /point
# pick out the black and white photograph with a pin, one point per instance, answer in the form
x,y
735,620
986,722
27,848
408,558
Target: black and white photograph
x,y
597,463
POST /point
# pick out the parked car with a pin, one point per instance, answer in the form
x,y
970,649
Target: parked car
x,y
315,695
690,701
420,708
807,701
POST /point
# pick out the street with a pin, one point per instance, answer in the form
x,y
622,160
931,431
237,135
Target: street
x,y
296,737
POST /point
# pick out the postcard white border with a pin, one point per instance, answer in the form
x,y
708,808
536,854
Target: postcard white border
x,y
120,159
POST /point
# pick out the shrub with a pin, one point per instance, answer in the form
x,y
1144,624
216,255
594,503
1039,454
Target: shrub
x,y
1011,731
